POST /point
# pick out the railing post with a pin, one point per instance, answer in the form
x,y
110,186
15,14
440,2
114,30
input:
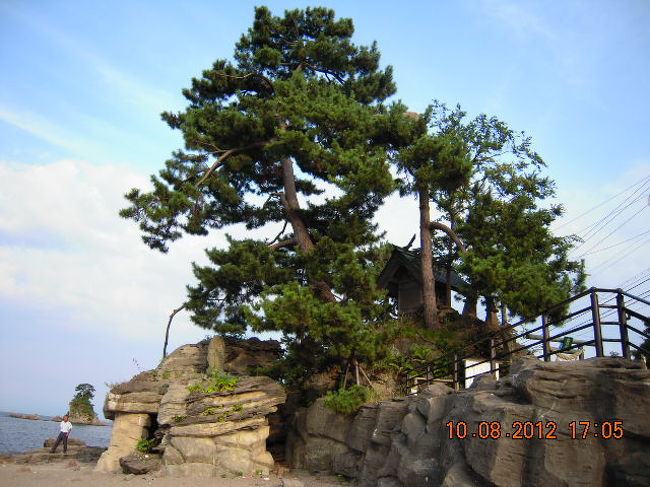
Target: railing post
x,y
595,314
622,323
546,347
456,378
493,356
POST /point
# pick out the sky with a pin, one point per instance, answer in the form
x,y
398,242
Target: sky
x,y
83,84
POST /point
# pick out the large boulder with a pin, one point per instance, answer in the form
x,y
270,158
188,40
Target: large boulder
x,y
246,357
128,428
224,429
139,463
203,430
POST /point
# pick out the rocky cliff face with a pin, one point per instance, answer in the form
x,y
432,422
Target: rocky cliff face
x,y
406,442
203,431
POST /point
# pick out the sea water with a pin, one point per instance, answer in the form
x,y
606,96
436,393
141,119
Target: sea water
x,y
18,435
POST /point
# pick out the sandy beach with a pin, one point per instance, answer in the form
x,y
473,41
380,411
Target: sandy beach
x,y
72,472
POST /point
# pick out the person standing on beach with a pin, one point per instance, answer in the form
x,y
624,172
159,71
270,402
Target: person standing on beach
x,y
66,428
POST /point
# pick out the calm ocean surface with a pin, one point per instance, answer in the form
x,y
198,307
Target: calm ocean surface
x,y
18,435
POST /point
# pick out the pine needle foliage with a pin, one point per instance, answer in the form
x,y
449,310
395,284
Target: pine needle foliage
x,y
293,132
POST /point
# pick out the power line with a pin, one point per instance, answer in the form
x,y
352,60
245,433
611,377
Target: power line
x,y
601,224
592,229
615,245
638,276
608,263
602,203
617,228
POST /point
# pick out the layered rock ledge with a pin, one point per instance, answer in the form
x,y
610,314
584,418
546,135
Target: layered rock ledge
x,y
406,442
202,431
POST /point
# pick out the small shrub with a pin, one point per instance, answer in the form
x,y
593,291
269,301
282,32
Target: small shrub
x,y
179,419
210,411
166,374
145,445
238,407
347,400
218,381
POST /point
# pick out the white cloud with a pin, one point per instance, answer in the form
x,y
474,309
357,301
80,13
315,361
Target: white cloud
x,y
63,246
615,253
44,129
125,86
519,18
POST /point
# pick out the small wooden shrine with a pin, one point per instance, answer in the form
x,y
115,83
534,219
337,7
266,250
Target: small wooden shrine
x,y
402,277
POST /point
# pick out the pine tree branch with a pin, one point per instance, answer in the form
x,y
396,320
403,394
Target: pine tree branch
x,y
169,324
451,233
219,162
277,237
324,71
283,243
267,81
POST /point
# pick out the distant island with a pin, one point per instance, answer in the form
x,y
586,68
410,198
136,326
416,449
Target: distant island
x,y
81,409
74,419
26,416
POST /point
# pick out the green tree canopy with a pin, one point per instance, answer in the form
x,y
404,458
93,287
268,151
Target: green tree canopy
x,y
80,405
85,390
489,190
292,133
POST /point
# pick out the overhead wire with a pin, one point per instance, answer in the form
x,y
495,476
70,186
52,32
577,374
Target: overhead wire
x,y
612,232
616,259
601,225
603,202
615,245
629,200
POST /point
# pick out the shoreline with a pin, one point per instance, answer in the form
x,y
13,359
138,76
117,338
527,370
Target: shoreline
x,y
61,474
37,417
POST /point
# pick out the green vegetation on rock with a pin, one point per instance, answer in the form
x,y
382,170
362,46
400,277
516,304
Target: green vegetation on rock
x,y
218,381
81,407
346,401
145,445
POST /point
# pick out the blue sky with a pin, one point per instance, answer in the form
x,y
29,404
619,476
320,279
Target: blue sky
x,y
83,300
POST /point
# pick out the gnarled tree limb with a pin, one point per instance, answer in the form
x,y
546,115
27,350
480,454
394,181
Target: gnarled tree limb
x,y
283,243
450,233
169,324
219,162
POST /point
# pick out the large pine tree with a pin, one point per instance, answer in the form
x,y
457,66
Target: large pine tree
x,y
292,133
486,182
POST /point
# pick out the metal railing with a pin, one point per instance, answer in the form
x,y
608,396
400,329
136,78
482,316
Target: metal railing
x,y
598,322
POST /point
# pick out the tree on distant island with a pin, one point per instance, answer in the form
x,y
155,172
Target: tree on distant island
x,y
81,407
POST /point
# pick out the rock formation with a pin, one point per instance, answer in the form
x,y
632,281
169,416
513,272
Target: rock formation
x,y
77,450
204,430
25,416
406,442
86,420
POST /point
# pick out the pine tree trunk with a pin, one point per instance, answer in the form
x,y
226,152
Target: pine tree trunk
x,y
426,256
300,232
491,313
469,308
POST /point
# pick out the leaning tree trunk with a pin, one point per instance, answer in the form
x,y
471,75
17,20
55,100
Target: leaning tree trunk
x,y
426,260
301,234
491,313
469,309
